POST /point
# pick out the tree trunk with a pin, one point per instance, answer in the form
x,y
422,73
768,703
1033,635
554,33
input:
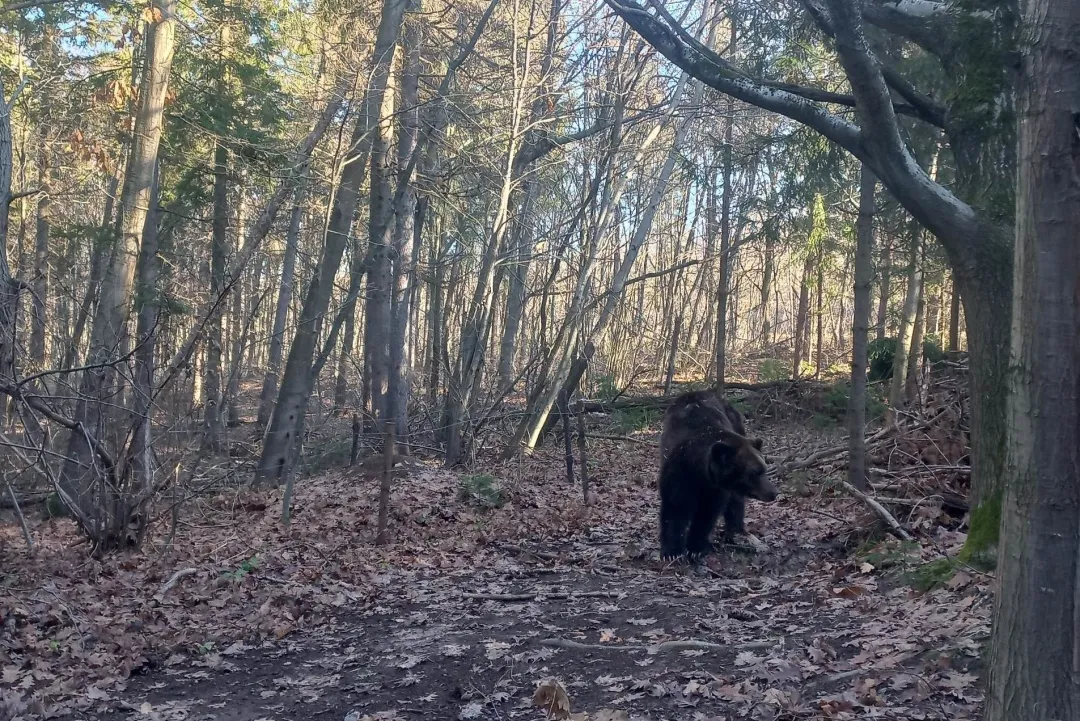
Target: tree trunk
x,y
406,229
438,258
214,413
954,318
1035,663
907,330
819,313
802,318
915,351
281,312
9,285
100,387
147,308
341,380
282,435
767,273
885,275
673,355
724,264
518,272
864,272
93,280
377,309
41,265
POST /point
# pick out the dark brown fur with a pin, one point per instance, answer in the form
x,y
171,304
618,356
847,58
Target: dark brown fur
x,y
708,468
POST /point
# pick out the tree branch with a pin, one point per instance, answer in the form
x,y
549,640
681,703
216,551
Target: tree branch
x,y
718,73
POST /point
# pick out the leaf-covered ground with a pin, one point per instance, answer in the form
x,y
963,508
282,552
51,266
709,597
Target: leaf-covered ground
x,y
470,610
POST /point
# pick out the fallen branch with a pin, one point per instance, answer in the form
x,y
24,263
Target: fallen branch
x,y
880,509
605,437
167,586
666,646
514,597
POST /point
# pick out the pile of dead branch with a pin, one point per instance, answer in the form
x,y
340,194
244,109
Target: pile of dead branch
x,y
924,458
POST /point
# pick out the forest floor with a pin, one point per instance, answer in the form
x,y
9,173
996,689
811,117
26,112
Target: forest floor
x,y
469,611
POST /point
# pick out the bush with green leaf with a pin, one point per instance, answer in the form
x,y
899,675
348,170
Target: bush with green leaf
x,y
772,369
481,490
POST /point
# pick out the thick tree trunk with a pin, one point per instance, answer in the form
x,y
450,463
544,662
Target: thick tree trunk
x,y
280,442
9,285
864,251
1035,663
100,387
906,331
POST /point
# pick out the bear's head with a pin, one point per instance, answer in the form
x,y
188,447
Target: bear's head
x,y
737,464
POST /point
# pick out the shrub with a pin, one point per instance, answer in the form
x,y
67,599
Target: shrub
x,y
481,490
772,369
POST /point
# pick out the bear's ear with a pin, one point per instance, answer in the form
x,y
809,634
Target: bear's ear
x,y
722,452
756,443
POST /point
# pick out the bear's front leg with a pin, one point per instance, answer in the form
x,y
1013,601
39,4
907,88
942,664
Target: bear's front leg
x,y
701,527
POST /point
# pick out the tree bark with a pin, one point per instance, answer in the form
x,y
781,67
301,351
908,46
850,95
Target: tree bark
x,y
1035,664
864,250
819,312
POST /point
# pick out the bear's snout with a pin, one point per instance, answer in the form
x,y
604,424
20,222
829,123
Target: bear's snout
x,y
766,491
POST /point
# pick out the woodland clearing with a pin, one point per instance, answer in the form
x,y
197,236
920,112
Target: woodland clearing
x,y
469,610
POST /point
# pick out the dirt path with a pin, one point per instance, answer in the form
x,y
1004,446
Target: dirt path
x,y
797,632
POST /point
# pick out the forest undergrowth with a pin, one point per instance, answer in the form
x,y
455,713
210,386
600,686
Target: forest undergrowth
x,y
499,597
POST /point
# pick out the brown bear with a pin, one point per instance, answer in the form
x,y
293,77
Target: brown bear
x,y
708,468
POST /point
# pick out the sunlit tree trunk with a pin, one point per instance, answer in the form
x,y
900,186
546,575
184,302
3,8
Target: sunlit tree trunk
x,y
101,386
